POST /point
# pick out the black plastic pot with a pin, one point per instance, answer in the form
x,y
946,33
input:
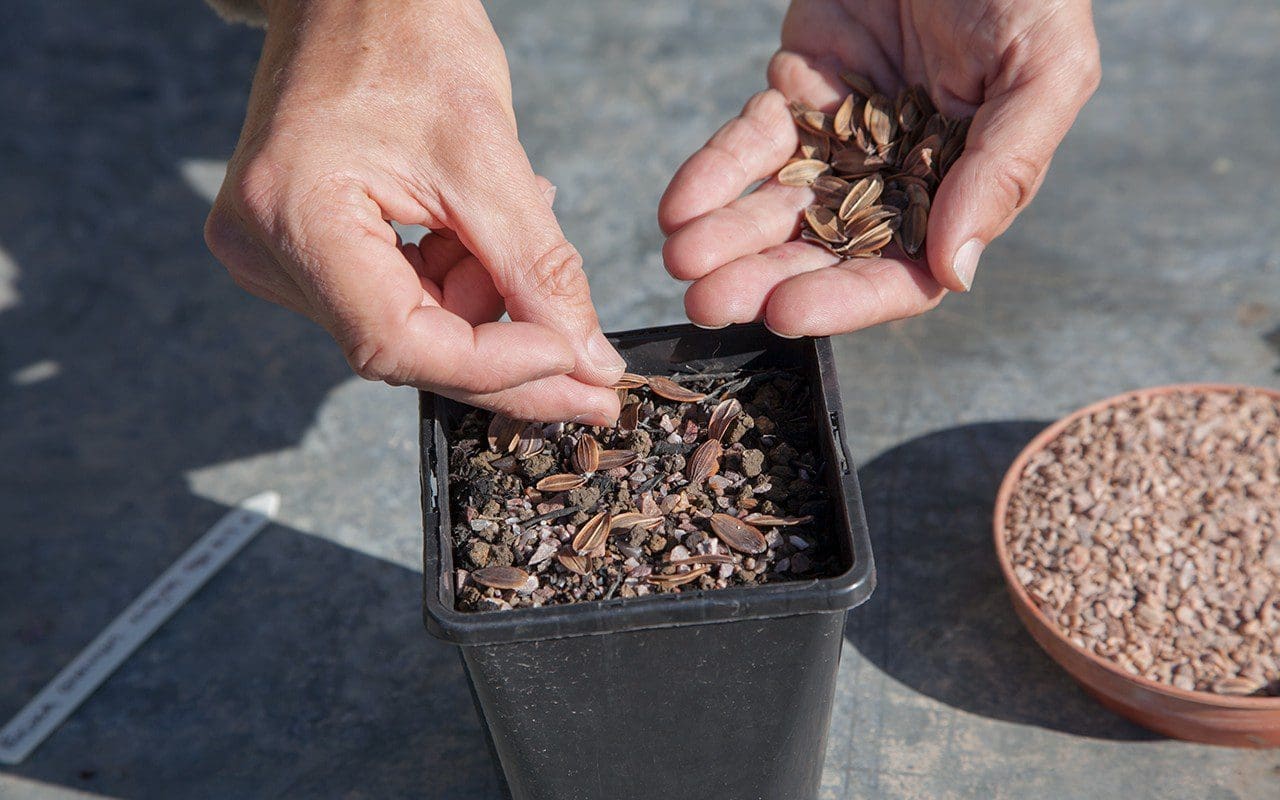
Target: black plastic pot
x,y
701,695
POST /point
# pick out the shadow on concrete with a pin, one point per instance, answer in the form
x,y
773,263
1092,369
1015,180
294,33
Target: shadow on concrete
x,y
1272,339
128,359
940,621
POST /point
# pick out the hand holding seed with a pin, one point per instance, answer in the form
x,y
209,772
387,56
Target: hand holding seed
x,y
374,111
1021,69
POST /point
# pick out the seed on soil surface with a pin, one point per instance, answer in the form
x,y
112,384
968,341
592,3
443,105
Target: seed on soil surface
x,y
592,533
586,454
704,462
669,389
504,433
561,482
612,459
629,419
680,578
1142,531
738,535
578,564
770,521
630,380
725,414
634,519
531,441
500,577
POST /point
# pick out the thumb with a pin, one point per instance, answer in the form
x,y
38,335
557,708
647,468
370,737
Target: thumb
x,y
1007,152
507,222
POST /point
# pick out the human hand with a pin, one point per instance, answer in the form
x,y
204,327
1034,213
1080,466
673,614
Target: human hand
x,y
1021,68
374,111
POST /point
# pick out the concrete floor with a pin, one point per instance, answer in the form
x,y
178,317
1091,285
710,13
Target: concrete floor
x,y
142,393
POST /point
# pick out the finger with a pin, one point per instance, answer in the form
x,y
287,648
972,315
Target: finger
x,y
851,295
469,292
251,265
372,301
751,146
766,217
1007,152
553,399
507,222
807,80
739,290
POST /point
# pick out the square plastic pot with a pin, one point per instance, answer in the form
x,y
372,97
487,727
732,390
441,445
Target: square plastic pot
x,y
703,694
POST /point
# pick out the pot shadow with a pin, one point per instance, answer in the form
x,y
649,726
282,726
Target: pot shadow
x,y
940,620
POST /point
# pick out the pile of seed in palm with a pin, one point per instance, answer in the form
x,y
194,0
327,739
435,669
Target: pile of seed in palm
x,y
707,482
1149,532
874,166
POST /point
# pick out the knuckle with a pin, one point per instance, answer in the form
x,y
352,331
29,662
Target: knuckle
x,y
557,274
1015,178
373,357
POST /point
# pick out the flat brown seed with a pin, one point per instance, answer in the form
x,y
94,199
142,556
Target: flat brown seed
x,y
579,565
875,116
862,194
709,558
531,441
842,123
507,464
829,190
680,578
815,121
665,387
630,380
725,412
561,482
586,454
634,519
858,83
802,172
813,145
612,459
770,521
852,163
500,577
504,432
824,222
704,462
738,535
629,419
914,224
592,533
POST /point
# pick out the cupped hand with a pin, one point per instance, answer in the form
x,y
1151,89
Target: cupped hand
x,y
362,113
1021,68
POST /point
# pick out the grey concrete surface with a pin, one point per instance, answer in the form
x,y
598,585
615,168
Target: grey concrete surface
x,y
141,393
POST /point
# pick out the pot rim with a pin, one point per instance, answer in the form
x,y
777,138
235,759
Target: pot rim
x,y
1020,596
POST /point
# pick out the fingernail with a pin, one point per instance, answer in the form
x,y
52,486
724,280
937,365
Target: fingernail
x,y
711,327
781,335
595,419
549,194
965,264
602,354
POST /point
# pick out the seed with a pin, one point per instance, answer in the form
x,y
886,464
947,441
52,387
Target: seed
x,y
802,172
592,533
726,411
630,380
704,462
629,419
665,387
573,562
910,236
634,519
770,521
813,145
500,577
709,558
586,454
824,222
875,115
861,195
830,191
531,441
504,432
1237,686
561,482
842,123
612,459
738,535
679,578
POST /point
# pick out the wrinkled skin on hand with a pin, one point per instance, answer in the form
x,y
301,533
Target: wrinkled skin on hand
x,y
1021,68
367,112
